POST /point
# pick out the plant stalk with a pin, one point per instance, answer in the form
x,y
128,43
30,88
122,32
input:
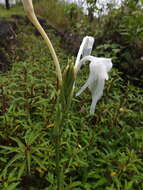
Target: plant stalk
x,y
57,134
28,6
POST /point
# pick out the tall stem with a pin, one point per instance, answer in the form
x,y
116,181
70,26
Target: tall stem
x,y
28,6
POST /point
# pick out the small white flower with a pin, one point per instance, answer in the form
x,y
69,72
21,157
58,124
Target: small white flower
x,y
99,68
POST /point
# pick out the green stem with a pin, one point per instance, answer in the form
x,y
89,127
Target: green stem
x,y
57,134
58,158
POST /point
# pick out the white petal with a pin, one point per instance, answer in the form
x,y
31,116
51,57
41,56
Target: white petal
x,y
85,48
88,46
96,94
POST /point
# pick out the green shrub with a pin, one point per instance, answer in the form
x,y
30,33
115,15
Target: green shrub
x,y
124,27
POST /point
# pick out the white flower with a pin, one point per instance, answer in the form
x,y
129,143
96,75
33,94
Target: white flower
x,y
99,68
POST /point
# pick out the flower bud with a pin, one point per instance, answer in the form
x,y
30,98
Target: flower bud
x,y
68,84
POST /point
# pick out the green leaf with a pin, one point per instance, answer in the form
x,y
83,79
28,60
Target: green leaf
x,y
31,137
15,158
100,182
3,159
50,177
20,144
11,174
11,186
38,161
21,170
74,184
11,149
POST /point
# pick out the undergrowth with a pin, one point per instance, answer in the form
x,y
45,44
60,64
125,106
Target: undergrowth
x,y
46,9
65,16
99,152
18,9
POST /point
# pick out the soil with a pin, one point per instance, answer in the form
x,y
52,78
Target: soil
x,y
8,33
7,36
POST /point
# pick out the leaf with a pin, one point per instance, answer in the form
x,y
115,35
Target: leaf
x,y
74,184
3,159
38,161
21,170
10,149
20,144
32,138
11,186
101,182
50,177
11,175
15,158
129,185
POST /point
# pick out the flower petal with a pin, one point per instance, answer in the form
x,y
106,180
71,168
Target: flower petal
x,y
99,68
85,48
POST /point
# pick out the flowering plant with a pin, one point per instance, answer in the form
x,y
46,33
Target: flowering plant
x,y
99,68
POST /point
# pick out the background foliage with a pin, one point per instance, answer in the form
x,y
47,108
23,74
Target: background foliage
x,y
99,152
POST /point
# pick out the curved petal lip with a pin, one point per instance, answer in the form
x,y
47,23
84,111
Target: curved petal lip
x,y
99,68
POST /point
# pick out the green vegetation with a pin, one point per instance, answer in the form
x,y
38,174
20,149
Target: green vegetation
x,y
18,9
64,14
122,26
98,152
